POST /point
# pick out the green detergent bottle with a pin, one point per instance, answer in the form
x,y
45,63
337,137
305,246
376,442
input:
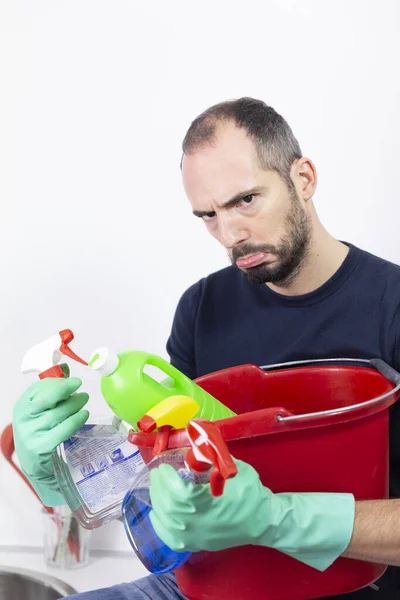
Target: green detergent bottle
x,y
130,392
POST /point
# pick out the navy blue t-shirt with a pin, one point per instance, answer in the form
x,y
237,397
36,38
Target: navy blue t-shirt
x,y
223,321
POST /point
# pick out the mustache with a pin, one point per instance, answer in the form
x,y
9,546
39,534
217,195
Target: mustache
x,y
246,249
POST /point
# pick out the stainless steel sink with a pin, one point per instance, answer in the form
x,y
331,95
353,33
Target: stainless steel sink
x,y
21,584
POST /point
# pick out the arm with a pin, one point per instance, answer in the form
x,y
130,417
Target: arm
x,y
314,528
376,533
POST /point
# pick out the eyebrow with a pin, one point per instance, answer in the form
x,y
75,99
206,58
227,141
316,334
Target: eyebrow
x,y
237,198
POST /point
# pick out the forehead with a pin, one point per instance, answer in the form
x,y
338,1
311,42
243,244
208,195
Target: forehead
x,y
219,171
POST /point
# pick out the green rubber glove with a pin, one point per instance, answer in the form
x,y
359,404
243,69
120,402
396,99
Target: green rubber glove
x,y
47,414
314,528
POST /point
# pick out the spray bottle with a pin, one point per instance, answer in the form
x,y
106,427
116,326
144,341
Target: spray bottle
x,y
207,461
131,392
43,358
95,467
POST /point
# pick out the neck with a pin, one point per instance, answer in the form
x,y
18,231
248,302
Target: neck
x,y
324,257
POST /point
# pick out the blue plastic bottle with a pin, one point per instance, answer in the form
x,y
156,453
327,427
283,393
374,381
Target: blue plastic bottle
x,y
211,463
157,557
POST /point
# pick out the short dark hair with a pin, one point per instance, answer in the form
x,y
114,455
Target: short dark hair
x,y
276,145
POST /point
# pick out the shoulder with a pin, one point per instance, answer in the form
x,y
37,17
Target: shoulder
x,y
376,262
379,271
181,342
222,281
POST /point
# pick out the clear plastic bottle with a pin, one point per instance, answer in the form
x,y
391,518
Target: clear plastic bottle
x,y
95,468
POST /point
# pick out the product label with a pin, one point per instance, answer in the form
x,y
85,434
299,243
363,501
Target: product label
x,y
102,465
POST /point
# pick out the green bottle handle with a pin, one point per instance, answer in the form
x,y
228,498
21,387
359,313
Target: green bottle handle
x,y
210,407
156,361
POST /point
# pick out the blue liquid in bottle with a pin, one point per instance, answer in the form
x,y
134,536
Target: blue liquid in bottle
x,y
151,551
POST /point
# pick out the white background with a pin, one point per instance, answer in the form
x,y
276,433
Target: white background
x,y
96,234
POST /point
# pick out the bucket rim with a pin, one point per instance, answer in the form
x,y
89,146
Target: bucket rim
x,y
376,363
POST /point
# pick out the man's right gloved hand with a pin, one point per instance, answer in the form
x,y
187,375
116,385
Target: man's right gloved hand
x,y
47,414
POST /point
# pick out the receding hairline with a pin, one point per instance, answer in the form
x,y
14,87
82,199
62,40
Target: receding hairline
x,y
218,123
274,141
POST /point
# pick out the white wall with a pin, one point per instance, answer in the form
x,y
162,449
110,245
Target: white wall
x,y
95,231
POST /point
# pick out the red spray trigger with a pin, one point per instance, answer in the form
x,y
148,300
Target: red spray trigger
x,y
209,450
67,336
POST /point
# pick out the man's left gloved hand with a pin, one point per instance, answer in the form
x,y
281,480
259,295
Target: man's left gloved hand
x,y
314,528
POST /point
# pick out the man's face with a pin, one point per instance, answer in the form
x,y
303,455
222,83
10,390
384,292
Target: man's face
x,y
263,225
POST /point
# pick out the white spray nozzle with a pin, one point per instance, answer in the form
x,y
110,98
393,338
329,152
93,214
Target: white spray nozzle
x,y
47,354
42,356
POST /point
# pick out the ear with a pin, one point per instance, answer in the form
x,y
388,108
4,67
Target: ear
x,y
304,177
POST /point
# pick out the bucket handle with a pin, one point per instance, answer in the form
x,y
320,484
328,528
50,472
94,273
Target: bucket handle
x,y
386,370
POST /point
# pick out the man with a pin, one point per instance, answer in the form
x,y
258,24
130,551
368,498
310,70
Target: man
x,y
292,292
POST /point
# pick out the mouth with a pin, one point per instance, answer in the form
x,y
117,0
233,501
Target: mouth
x,y
252,260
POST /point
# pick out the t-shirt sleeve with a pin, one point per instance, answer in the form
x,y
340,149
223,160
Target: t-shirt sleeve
x,y
181,342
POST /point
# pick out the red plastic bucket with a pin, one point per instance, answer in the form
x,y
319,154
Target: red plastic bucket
x,y
305,426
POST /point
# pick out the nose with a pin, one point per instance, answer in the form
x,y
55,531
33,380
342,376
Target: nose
x,y
230,232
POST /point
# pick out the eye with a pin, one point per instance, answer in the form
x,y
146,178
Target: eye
x,y
208,217
246,200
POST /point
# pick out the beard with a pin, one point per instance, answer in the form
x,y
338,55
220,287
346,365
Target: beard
x,y
291,252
